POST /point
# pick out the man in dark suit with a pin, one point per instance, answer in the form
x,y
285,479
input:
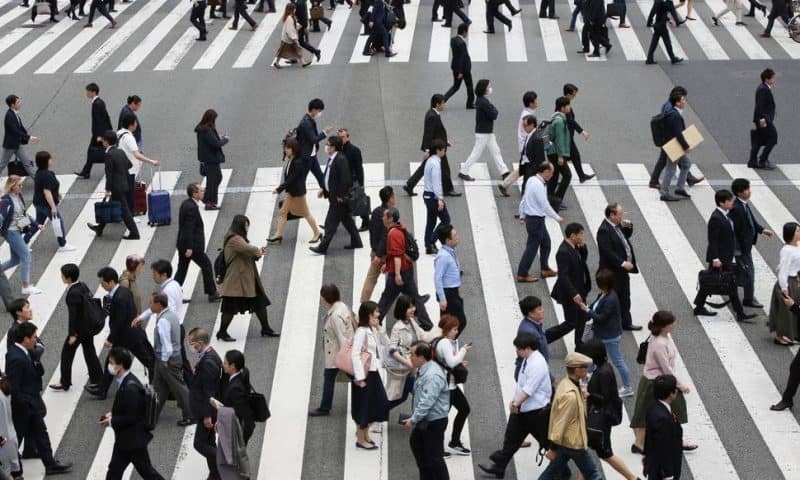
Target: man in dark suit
x,y
594,28
309,137
675,125
27,407
356,165
433,130
117,185
723,246
101,123
130,109
121,309
336,187
461,65
301,13
664,435
16,136
765,134
455,6
572,285
378,30
127,418
616,254
78,331
205,384
747,230
192,243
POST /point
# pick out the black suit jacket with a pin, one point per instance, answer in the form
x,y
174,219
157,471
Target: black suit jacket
x,y
433,129
307,133
101,122
721,239
117,166
15,132
36,353
205,384
122,311
461,62
339,179
295,179
573,274
127,416
746,234
765,105
76,308
236,394
26,384
354,162
191,232
594,12
301,13
611,249
662,443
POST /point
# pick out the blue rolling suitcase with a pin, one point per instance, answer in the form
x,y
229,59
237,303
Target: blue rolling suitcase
x,y
158,206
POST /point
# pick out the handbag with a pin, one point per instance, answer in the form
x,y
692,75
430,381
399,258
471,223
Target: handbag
x,y
641,355
717,281
596,424
588,332
258,403
17,168
317,12
96,154
358,201
344,359
614,10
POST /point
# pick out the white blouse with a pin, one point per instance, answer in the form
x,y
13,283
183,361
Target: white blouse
x,y
289,32
370,340
449,351
789,265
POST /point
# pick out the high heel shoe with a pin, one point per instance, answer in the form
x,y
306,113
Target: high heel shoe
x,y
277,239
316,239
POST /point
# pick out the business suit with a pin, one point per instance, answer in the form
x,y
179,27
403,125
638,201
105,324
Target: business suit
x,y
722,246
493,11
747,229
379,30
660,13
675,127
355,163
15,138
780,9
191,236
766,136
433,130
236,394
614,248
662,443
130,434
210,155
595,30
295,172
309,138
573,279
338,184
76,300
451,7
461,65
101,123
301,13
574,127
117,182
206,384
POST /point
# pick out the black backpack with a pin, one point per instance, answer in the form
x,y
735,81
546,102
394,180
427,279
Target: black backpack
x,y
658,128
541,141
412,247
220,265
150,407
459,372
95,316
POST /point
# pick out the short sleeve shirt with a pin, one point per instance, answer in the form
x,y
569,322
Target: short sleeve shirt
x,y
44,180
127,143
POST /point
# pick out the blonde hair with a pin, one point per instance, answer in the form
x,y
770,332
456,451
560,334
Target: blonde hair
x,y
11,181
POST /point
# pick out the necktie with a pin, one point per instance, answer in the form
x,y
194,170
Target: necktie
x,y
524,364
628,254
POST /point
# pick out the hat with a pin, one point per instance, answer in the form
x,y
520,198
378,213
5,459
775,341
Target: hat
x,y
577,360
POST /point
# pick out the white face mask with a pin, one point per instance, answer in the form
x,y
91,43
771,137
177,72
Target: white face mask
x,y
318,115
112,369
489,91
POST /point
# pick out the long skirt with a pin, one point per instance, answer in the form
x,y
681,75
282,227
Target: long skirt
x,y
289,51
644,397
369,403
781,319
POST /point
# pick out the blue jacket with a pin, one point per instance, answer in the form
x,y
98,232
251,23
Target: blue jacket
x,y
7,214
15,133
431,393
607,316
676,126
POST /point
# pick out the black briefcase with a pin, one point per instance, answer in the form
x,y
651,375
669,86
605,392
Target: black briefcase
x,y
358,201
614,10
96,154
17,168
717,281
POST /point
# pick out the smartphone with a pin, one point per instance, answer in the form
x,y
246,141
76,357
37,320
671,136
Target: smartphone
x,y
401,419
468,344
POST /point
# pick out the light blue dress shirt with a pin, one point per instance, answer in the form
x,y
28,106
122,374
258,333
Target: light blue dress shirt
x,y
446,270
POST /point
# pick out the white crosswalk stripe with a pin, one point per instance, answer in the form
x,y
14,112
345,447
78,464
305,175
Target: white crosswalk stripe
x,y
740,34
515,40
551,37
645,6
702,34
156,35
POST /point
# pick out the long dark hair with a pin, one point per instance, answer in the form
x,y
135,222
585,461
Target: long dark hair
x,y
239,226
365,311
596,350
209,118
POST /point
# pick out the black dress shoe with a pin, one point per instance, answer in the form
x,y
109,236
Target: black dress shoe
x,y
581,52
409,191
81,176
97,229
317,250
452,193
270,333
745,317
703,312
692,181
765,166
59,387
503,190
492,469
185,422
432,250
780,406
632,328
752,304
466,178
354,246
688,448
131,237
318,412
58,468
224,337
587,177
676,60
682,193
95,392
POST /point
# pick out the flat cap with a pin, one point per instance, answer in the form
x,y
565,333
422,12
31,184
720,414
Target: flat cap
x,y
576,360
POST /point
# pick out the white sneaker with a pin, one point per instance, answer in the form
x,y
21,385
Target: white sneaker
x,y
625,392
31,290
66,248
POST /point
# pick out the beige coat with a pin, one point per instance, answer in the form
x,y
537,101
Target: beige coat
x,y
568,417
241,277
339,325
402,337
125,280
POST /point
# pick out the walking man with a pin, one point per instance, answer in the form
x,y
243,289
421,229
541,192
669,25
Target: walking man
x,y
16,136
461,65
101,123
660,12
447,276
191,241
197,17
434,196
532,211
205,384
747,230
433,130
765,134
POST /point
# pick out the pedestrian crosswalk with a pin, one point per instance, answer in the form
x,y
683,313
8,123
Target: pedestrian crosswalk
x,y
492,241
168,39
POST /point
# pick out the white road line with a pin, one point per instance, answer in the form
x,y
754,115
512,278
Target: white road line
x,y
501,304
156,35
551,36
14,13
645,6
258,41
780,431
80,40
478,44
361,463
740,34
179,50
15,35
767,203
440,43
66,182
33,48
403,39
361,41
515,40
781,36
792,172
629,42
284,435
119,37
705,39
330,39
578,29
221,43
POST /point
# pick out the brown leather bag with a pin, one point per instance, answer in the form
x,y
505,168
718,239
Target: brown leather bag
x,y
317,12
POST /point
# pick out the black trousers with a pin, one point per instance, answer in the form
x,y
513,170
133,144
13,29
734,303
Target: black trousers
x,y
450,8
492,12
427,445
86,170
559,182
261,314
519,426
622,285
139,458
201,260
794,381
700,299
197,17
767,138
435,9
574,319
240,8
447,180
302,40
391,291
338,213
455,307
205,443
270,4
213,179
458,401
100,6
467,79
747,271
526,171
89,355
660,32
31,429
575,158
127,217
547,6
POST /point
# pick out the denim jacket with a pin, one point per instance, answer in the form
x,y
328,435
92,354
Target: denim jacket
x,y
431,394
7,215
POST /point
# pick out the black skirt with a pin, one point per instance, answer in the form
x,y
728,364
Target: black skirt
x,y
369,403
237,305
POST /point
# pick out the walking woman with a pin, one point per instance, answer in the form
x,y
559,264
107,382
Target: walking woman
x,y
453,354
661,353
603,395
210,156
290,45
485,115
236,391
46,198
134,264
9,451
368,396
782,322
17,228
295,172
242,291
405,331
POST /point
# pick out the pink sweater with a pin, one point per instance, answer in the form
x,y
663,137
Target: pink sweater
x,y
661,355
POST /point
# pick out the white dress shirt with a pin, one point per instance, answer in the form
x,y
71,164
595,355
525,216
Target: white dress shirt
x,y
534,380
534,203
174,294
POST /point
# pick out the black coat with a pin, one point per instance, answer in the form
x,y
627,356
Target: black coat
x,y
721,239
301,13
121,313
339,179
594,12
603,391
746,234
572,125
307,133
612,250
127,415
433,129
377,231
295,181
660,13
485,115
191,231
101,122
75,299
765,104
209,145
662,443
607,316
206,383
15,132
461,62
236,394
117,166
26,385
573,274
354,162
